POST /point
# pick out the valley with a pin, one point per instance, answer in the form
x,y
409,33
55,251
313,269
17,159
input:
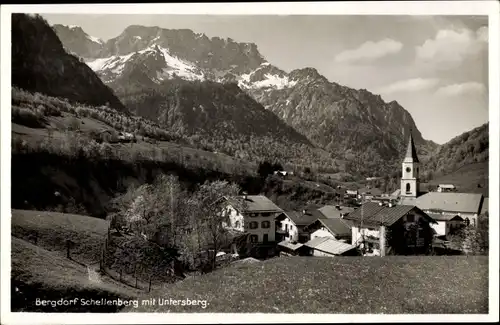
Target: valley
x,y
130,153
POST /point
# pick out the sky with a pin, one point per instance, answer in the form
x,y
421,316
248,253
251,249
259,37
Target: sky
x,y
436,67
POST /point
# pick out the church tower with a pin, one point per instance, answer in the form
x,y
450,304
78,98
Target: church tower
x,y
410,185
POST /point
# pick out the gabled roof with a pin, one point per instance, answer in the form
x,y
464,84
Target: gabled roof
x,y
371,190
331,211
329,245
301,219
411,152
337,227
253,203
445,217
373,214
450,201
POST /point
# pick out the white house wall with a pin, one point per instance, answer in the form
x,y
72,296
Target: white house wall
x,y
323,232
236,220
357,234
320,253
241,222
293,232
259,231
440,228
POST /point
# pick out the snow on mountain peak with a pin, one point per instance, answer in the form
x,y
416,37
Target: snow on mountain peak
x,y
269,80
181,68
95,39
173,65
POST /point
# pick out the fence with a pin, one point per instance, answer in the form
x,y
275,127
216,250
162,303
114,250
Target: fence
x,y
99,267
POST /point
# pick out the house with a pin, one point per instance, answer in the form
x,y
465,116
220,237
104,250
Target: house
x,y
447,224
446,188
329,247
253,214
290,225
351,194
369,193
283,173
395,229
465,205
335,228
386,199
335,211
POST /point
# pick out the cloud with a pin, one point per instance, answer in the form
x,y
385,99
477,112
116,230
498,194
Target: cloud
x,y
466,88
409,85
370,51
450,48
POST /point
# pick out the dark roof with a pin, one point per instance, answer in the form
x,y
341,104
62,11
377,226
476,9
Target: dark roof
x,y
301,219
329,245
331,211
372,191
450,201
411,152
253,203
373,214
336,226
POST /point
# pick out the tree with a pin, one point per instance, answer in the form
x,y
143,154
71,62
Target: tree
x,y
266,168
210,212
474,239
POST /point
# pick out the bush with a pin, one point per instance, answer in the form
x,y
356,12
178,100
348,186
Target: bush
x,y
27,117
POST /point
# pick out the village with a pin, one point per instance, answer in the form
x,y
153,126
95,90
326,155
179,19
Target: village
x,y
405,222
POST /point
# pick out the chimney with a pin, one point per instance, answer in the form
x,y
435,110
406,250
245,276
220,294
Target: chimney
x,y
380,204
245,196
337,207
304,212
390,205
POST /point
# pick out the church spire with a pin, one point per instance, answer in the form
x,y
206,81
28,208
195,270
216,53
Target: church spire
x,y
411,152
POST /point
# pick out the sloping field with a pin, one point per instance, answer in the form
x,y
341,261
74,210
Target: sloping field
x,y
38,273
393,284
50,230
467,178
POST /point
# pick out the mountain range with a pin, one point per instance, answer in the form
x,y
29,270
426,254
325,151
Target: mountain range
x,y
344,121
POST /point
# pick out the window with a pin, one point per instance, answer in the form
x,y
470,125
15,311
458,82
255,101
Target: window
x,y
266,238
237,224
265,224
254,238
467,221
266,214
410,218
408,169
253,225
286,227
408,187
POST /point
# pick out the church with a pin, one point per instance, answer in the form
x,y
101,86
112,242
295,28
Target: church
x,y
449,209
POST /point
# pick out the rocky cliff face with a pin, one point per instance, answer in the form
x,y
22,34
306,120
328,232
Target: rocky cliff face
x,y
76,41
350,123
